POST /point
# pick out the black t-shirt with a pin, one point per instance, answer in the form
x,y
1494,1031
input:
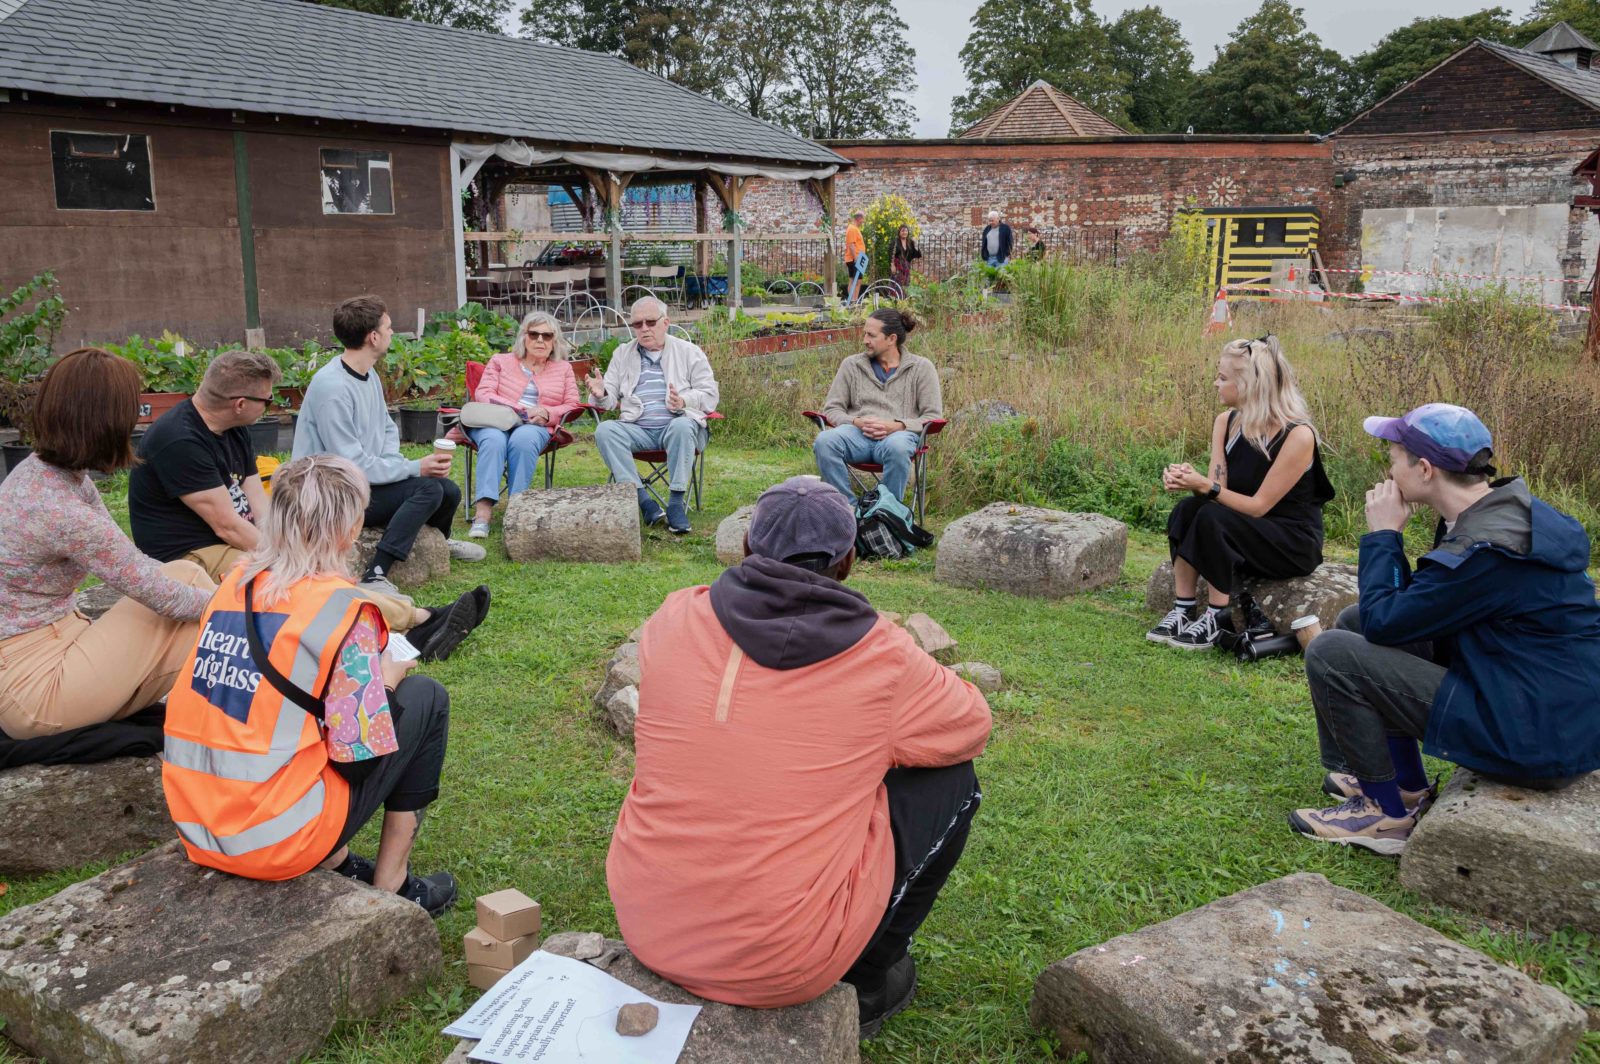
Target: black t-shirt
x,y
178,456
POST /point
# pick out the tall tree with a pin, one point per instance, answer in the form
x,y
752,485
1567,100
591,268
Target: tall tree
x,y
1148,49
1584,15
1412,50
485,15
755,38
1273,76
1014,43
594,25
670,40
852,69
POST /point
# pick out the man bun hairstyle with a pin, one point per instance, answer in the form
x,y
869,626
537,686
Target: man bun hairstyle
x,y
896,323
356,319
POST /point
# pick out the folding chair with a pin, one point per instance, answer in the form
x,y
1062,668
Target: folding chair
x,y
656,481
558,439
919,463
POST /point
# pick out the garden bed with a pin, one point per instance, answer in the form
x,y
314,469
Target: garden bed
x,y
795,341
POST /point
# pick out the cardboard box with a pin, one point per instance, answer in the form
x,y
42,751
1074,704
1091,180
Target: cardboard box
x,y
483,948
508,914
484,977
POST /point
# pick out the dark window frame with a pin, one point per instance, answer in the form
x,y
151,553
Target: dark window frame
x,y
323,166
150,168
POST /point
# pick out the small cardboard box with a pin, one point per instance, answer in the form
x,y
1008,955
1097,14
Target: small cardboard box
x,y
483,948
483,976
508,914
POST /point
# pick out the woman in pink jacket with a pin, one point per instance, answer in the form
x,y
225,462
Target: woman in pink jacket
x,y
536,381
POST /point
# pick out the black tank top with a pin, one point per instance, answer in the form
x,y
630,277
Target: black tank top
x,y
1247,469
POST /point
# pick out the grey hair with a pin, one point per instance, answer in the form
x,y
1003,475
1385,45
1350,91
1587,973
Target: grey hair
x,y
666,311
317,501
558,351
994,215
235,373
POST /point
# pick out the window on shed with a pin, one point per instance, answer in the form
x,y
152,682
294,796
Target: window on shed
x,y
356,182
102,171
1277,231
1247,231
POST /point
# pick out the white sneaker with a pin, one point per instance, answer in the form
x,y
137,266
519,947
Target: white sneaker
x,y
479,530
382,585
462,551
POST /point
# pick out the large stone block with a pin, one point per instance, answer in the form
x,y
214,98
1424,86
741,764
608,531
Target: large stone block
x,y
1299,970
823,1031
1326,592
1528,857
617,709
64,816
730,535
1027,550
597,523
429,558
93,602
160,960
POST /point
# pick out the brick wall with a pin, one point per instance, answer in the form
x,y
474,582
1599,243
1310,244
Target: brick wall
x,y
1478,91
1132,185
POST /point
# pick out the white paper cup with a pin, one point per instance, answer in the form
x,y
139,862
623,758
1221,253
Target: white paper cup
x,y
445,447
1306,629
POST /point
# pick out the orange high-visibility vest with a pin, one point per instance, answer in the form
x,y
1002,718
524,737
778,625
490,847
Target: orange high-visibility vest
x,y
246,772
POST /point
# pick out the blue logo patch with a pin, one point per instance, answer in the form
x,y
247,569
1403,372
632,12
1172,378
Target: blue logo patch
x,y
223,673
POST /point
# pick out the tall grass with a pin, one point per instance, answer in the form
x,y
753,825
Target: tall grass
x,y
1111,373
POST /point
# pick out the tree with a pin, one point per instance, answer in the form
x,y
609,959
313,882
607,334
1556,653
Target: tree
x,y
1149,51
852,67
593,25
1273,76
1014,43
485,15
1413,50
755,39
670,40
1584,16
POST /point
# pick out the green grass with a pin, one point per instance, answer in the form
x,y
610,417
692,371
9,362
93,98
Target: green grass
x,y
1124,784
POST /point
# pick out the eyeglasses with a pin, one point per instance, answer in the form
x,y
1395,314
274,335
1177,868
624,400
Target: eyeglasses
x,y
545,336
645,323
257,398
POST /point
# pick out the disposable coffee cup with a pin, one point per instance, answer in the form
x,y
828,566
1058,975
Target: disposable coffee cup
x,y
1306,629
445,447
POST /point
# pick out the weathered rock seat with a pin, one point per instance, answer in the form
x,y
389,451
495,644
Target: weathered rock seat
x,y
1528,857
595,523
1028,550
1328,590
64,816
730,535
93,602
1299,969
617,701
429,558
160,960
823,1031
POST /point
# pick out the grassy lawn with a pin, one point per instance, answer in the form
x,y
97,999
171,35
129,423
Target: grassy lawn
x,y
1124,783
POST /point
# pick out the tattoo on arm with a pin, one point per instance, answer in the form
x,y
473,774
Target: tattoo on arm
x,y
420,814
1218,472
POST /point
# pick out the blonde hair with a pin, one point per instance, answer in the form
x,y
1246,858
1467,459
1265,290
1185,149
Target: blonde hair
x,y
1269,399
316,501
558,350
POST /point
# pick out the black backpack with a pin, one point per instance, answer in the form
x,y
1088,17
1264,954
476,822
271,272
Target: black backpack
x,y
884,528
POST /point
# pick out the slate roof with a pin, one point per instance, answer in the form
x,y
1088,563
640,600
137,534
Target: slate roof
x,y
1584,85
295,58
1561,37
1042,110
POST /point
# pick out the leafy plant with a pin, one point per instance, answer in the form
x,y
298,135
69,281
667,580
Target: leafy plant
x,y
498,330
26,337
414,369
16,405
167,363
599,350
884,218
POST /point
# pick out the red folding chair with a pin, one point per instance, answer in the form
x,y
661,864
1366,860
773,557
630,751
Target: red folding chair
x,y
657,461
559,438
919,463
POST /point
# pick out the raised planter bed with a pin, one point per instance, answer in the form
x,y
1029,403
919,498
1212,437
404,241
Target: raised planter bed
x,y
983,317
766,345
153,404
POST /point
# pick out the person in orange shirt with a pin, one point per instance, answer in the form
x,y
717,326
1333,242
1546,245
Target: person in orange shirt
x,y
803,781
855,253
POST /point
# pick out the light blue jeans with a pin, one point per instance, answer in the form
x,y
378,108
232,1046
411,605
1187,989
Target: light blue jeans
x,y
519,449
681,439
836,447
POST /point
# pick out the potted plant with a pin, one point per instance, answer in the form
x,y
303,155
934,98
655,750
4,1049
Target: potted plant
x,y
171,373
16,405
416,372
592,355
26,338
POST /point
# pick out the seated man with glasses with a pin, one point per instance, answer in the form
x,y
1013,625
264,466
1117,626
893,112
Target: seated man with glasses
x,y
664,388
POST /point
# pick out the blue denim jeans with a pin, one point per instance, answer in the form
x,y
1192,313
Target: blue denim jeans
x,y
681,439
519,449
835,448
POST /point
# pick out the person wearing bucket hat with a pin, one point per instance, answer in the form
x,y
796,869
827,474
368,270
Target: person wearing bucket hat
x,y
803,780
1489,652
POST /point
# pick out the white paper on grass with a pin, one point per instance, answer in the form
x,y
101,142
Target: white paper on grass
x,y
555,1010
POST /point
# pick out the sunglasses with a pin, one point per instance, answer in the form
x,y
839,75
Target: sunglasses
x,y
257,398
545,336
645,323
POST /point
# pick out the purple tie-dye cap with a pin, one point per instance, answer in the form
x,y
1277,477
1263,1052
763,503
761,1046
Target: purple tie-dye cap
x,y
1448,436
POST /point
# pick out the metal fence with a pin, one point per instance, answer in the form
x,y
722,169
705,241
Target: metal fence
x,y
947,253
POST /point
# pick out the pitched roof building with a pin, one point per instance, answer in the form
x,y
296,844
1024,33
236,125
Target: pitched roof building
x,y
1042,111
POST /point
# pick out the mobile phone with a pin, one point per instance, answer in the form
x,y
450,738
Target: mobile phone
x,y
400,648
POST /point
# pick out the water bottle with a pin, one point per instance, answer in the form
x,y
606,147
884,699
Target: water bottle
x,y
1269,646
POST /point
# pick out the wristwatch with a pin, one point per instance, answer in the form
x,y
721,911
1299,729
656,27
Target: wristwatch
x,y
1216,489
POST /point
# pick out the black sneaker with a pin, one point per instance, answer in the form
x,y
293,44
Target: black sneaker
x,y
1200,634
436,893
445,632
1256,624
876,1006
1176,620
354,866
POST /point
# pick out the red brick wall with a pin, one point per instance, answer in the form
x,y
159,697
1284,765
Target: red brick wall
x,y
1130,185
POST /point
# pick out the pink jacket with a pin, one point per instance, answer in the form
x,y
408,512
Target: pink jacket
x,y
504,381
752,858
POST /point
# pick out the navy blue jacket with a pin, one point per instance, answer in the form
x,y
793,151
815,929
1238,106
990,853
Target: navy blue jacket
x,y
1005,243
1507,601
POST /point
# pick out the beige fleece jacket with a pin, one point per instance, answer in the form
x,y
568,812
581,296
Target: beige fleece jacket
x,y
911,395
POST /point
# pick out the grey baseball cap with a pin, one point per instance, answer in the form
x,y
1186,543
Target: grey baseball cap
x,y
803,515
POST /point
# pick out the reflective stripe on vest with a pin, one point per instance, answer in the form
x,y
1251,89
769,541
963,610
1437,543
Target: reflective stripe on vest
x,y
258,768
267,833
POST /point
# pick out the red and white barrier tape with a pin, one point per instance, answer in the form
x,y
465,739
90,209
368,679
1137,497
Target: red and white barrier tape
x,y
1378,297
1422,273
